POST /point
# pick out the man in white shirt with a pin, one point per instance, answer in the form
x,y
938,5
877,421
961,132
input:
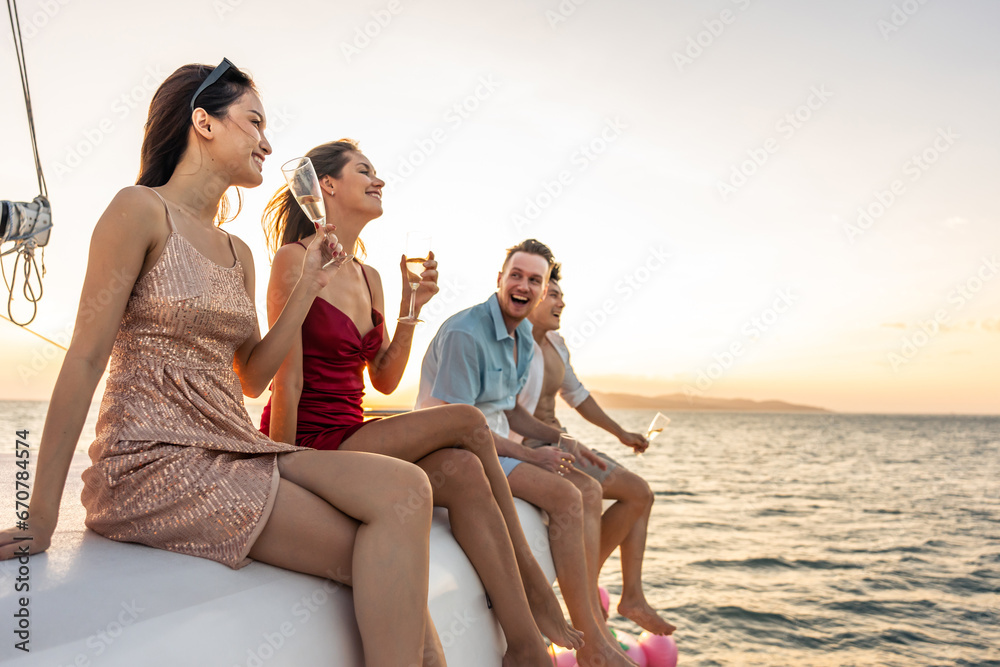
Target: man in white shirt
x,y
624,523
480,356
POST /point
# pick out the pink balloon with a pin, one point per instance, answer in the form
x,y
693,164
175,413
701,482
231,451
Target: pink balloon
x,y
661,651
605,597
633,650
564,658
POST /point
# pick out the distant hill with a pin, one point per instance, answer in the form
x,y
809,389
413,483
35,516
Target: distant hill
x,y
680,402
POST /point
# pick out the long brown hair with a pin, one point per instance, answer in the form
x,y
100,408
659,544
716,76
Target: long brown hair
x,y
283,219
166,136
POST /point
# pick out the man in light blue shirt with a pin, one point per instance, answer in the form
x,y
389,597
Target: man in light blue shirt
x,y
474,360
481,356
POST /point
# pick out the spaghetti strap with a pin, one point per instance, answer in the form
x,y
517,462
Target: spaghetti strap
x,y
236,258
365,274
170,221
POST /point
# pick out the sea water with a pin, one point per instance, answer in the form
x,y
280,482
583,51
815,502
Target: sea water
x,y
781,540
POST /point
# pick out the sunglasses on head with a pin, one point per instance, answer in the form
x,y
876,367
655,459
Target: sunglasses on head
x,y
212,78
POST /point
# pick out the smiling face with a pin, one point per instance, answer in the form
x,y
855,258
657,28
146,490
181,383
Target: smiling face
x,y
242,145
547,314
521,285
357,189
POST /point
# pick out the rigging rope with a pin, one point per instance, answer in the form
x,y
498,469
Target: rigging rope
x,y
27,225
15,27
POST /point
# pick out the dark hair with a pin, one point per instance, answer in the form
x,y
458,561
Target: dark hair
x,y
166,136
554,272
283,219
532,247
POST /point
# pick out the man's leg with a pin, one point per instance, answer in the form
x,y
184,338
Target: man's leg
x,y
565,504
631,491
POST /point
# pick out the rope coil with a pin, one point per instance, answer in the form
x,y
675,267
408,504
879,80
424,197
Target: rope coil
x,y
25,224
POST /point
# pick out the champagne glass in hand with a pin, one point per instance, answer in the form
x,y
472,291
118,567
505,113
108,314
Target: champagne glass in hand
x,y
418,250
656,427
304,186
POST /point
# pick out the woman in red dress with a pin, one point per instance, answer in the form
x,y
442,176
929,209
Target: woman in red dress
x,y
177,463
317,392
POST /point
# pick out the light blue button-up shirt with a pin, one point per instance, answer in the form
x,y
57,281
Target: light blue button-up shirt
x,y
471,361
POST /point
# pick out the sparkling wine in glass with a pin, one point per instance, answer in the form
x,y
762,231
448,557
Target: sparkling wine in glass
x,y
656,427
418,250
303,183
568,444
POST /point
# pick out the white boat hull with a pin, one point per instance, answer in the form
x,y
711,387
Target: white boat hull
x,y
93,601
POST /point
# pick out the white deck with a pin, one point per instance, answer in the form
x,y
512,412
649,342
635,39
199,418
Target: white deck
x,y
98,602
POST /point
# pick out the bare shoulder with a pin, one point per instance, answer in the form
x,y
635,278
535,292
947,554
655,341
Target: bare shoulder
x,y
134,209
288,255
372,274
242,250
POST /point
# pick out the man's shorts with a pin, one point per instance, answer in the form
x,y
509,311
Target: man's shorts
x,y
592,470
508,464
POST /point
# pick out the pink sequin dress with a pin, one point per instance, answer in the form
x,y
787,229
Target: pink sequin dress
x,y
177,463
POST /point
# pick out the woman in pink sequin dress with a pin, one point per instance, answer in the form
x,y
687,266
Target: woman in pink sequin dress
x,y
318,390
177,463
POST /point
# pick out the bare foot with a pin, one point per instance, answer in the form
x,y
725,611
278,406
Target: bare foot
x,y
602,654
645,617
550,620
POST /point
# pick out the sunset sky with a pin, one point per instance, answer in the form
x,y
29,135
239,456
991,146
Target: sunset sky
x,y
768,200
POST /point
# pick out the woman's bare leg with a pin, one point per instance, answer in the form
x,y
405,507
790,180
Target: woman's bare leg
x,y
566,507
461,486
334,517
414,435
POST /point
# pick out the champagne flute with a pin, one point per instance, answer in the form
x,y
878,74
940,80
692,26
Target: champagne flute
x,y
568,444
303,183
656,427
418,250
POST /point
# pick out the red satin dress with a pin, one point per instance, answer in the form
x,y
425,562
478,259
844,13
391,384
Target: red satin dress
x,y
334,356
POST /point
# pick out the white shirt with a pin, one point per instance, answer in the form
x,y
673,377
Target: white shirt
x,y
571,389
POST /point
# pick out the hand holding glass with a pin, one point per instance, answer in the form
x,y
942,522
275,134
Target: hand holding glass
x,y
303,183
418,250
568,444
